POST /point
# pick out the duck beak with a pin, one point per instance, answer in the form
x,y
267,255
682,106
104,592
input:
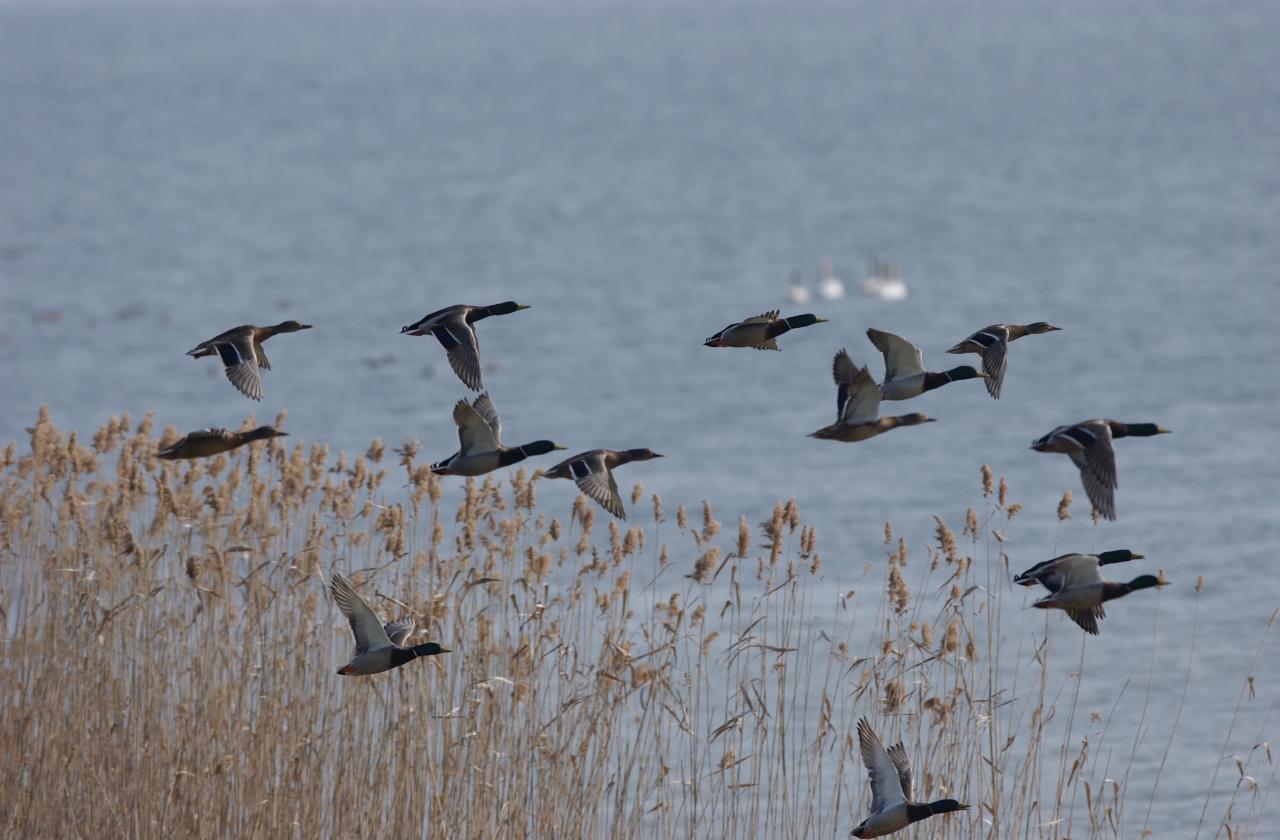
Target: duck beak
x,y
982,375
304,326
555,446
1137,556
520,306
1161,430
818,320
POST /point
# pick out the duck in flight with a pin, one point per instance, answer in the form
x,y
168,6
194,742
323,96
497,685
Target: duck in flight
x,y
992,344
480,448
1089,446
593,472
454,328
208,442
242,355
1082,595
858,405
762,331
378,647
889,772
1080,572
904,373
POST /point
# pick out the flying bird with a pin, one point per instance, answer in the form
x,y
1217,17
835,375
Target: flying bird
x,y
761,331
242,355
378,647
889,772
480,448
454,328
992,344
1089,446
858,405
208,442
593,472
904,373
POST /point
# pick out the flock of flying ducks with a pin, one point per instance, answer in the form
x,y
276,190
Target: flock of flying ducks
x,y
1074,581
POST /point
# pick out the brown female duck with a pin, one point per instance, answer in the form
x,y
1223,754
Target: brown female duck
x,y
593,472
208,442
241,352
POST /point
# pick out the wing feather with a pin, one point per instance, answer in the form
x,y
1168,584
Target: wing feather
x,y
366,628
882,774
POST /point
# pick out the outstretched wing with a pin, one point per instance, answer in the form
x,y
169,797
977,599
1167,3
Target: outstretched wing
x,y
902,359
484,405
595,479
459,341
898,755
882,773
474,433
398,631
365,626
241,363
1088,619
857,396
1096,460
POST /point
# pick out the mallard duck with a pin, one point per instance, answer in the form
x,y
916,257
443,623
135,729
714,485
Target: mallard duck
x,y
992,344
1069,570
378,647
593,472
889,772
1083,601
241,352
208,442
1089,446
761,331
904,373
858,405
452,327
480,448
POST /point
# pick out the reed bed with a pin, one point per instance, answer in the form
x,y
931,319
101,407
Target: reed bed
x,y
170,648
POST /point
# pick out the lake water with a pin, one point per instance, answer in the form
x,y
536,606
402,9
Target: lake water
x,y
643,174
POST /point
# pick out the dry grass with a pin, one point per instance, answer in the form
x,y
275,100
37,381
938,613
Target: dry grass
x,y
168,666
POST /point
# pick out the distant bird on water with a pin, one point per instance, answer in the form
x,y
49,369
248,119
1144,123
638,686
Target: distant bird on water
x,y
480,448
241,352
796,292
829,286
1089,446
378,647
208,442
453,328
904,373
858,405
889,773
761,331
593,472
992,343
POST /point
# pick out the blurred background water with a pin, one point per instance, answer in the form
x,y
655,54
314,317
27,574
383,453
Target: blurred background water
x,y
642,175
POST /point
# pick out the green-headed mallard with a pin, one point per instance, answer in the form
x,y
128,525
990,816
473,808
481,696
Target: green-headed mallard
x,y
904,373
889,772
858,405
208,442
1082,600
241,352
1089,446
378,647
761,331
593,472
480,448
452,327
992,344
1068,570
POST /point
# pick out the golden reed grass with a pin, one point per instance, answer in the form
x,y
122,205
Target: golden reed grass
x,y
170,647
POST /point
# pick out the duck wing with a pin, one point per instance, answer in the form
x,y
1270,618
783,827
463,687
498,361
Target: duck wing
x,y
398,631
474,433
459,341
995,356
902,359
898,755
594,478
365,626
484,406
241,363
857,396
1088,619
1096,460
882,773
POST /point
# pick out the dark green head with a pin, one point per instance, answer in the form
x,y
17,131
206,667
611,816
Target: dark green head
x,y
947,806
506,308
1120,555
429,649
1141,430
1145,582
806,320
964,372
539,447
